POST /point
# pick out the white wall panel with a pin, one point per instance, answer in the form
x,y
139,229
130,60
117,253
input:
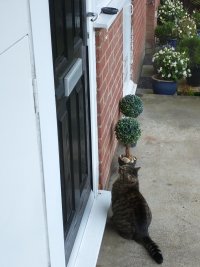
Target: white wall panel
x,y
23,241
13,22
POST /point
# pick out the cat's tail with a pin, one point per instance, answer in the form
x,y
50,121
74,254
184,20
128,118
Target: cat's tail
x,y
153,249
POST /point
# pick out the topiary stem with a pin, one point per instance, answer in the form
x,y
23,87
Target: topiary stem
x,y
127,151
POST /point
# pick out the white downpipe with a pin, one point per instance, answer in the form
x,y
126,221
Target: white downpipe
x,y
128,85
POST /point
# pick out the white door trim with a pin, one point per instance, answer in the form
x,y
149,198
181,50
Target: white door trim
x,y
42,54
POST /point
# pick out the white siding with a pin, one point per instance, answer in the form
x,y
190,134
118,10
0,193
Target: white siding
x,y
13,22
48,127
23,241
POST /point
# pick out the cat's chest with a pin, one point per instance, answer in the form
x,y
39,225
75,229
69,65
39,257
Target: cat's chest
x,y
123,189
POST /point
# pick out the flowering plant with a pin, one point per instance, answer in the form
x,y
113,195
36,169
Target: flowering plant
x,y
170,11
171,65
186,27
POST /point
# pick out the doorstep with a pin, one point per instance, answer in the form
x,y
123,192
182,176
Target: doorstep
x,y
89,246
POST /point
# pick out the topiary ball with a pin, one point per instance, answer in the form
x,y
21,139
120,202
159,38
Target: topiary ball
x,y
131,106
127,130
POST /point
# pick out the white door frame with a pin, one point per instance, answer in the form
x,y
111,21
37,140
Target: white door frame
x,y
90,7
42,54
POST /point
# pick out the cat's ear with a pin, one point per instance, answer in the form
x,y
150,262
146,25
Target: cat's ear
x,y
137,169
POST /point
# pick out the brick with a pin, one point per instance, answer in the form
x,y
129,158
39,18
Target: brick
x,y
109,91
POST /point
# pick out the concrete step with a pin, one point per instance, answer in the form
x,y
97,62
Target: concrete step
x,y
141,91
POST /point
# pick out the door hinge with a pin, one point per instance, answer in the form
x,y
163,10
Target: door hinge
x,y
35,95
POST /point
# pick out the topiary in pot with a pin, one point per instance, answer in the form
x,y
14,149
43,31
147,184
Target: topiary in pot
x,y
131,106
127,132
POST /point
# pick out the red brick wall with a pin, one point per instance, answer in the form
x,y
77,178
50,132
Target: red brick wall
x,y
139,35
151,24
109,55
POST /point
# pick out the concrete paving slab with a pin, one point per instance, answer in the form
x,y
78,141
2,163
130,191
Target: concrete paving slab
x,y
141,91
169,155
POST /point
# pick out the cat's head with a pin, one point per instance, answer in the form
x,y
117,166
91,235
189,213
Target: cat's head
x,y
128,168
129,172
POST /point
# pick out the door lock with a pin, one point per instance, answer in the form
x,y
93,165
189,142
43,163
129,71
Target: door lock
x,y
93,16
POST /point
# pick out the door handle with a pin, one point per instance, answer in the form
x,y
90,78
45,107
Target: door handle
x,y
94,16
72,77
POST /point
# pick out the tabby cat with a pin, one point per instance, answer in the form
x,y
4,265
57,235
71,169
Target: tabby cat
x,y
131,213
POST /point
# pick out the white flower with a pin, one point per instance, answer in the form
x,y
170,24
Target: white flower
x,y
174,64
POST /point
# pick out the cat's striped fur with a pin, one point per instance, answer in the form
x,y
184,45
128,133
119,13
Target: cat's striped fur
x,y
131,213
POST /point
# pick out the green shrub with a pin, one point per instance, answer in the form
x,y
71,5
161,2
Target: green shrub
x,y
191,48
195,2
127,131
196,18
131,106
166,31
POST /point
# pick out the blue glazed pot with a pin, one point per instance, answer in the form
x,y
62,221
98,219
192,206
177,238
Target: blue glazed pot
x,y
172,42
163,87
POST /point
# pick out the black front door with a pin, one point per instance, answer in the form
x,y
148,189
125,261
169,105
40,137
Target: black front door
x,y
68,32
